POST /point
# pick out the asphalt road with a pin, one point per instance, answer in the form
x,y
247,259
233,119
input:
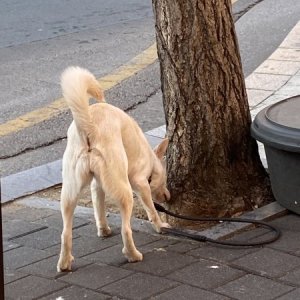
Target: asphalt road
x,y
39,39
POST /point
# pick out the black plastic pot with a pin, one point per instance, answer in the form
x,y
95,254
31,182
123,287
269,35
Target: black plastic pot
x,y
278,128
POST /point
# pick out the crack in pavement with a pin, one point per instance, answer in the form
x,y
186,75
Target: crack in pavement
x,y
136,104
28,149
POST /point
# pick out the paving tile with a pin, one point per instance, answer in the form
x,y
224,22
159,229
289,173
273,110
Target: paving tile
x,y
95,276
22,256
76,293
9,212
257,235
269,262
206,274
184,292
139,286
12,275
295,294
268,82
32,287
55,221
85,245
41,239
141,238
256,110
295,80
251,287
159,245
292,277
33,214
286,54
15,228
47,267
220,253
275,98
282,67
8,245
288,242
161,263
257,96
111,256
53,250
82,246
250,234
91,230
14,212
288,90
184,247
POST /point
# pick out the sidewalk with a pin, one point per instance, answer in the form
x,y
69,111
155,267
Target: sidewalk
x,y
172,268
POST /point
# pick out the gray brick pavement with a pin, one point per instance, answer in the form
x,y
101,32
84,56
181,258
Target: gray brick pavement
x,y
172,268
251,287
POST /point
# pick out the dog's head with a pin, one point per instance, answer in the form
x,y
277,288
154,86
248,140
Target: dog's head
x,y
158,181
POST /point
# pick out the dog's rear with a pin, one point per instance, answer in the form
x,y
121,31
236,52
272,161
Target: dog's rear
x,y
78,85
107,147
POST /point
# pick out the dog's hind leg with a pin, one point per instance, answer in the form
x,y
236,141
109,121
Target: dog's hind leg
x,y
115,184
74,179
98,198
126,205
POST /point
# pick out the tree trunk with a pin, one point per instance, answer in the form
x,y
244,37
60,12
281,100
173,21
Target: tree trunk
x,y
213,164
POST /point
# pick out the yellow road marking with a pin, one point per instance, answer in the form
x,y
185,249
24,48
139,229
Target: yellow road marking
x,y
138,63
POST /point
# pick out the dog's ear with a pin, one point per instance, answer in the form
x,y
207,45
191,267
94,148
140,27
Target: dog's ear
x,y
161,149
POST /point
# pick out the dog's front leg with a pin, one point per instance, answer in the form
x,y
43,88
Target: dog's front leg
x,y
142,188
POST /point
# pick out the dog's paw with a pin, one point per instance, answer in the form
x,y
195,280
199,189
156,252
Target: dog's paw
x,y
134,256
65,263
104,232
158,227
166,225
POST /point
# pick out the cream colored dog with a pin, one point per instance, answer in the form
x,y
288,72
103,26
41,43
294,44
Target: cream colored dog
x,y
107,149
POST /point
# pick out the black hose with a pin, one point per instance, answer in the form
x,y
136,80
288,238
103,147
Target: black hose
x,y
202,238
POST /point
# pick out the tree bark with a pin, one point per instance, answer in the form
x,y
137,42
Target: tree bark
x,y
213,164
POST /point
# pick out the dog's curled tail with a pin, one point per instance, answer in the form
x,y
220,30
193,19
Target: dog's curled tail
x,y
78,85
